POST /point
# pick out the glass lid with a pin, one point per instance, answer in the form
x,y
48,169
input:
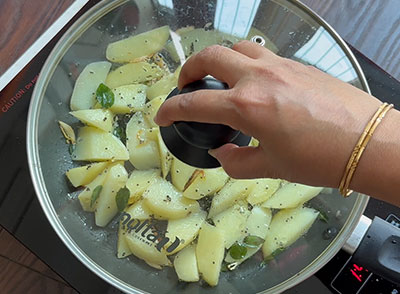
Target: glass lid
x,y
124,205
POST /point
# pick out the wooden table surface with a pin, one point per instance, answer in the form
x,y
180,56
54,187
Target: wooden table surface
x,y
371,26
22,22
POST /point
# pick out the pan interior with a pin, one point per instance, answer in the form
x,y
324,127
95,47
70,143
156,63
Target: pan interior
x,y
291,31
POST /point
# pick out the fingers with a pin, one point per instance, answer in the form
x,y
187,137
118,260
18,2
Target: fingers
x,y
252,50
222,63
241,162
211,106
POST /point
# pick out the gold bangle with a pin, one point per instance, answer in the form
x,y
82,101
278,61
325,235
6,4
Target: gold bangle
x,y
360,147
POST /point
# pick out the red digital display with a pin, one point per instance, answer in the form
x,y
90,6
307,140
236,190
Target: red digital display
x,y
351,278
359,272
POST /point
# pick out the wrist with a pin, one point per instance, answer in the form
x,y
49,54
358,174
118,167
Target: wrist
x,y
378,171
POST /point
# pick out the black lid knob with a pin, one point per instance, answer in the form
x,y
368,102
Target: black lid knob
x,y
190,141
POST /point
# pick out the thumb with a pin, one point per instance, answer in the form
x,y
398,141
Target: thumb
x,y
241,162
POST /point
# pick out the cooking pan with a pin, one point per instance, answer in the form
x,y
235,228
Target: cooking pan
x,y
288,28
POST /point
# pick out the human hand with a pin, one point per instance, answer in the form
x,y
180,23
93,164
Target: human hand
x,y
306,121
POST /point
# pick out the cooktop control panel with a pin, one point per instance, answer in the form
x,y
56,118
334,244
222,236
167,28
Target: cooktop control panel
x,y
354,278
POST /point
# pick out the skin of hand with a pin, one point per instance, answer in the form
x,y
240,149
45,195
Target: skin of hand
x,y
306,121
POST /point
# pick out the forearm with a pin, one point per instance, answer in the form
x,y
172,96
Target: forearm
x,y
378,172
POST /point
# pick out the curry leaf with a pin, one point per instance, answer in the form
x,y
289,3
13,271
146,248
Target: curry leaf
x,y
323,216
105,96
95,195
237,251
122,198
253,241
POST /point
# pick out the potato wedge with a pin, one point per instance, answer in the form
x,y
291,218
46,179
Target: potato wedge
x,y
122,245
231,223
99,118
163,199
165,156
162,87
254,142
85,197
263,190
287,226
231,193
139,181
83,95
140,211
185,264
129,98
106,206
185,229
132,48
144,249
96,145
134,73
180,173
257,224
292,195
207,182
83,175
143,152
210,253
151,108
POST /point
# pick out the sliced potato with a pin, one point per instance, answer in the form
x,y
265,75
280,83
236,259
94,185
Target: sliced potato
x,y
163,199
231,193
292,195
96,145
140,211
134,73
152,133
185,264
83,95
151,108
145,249
129,98
83,175
254,142
139,181
231,223
165,156
85,197
257,224
210,253
263,190
99,118
185,229
287,226
207,182
122,245
143,152
162,87
180,173
132,48
106,206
